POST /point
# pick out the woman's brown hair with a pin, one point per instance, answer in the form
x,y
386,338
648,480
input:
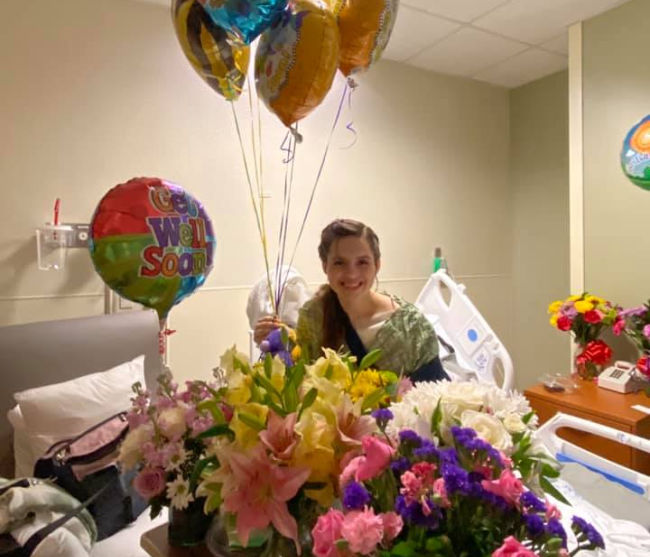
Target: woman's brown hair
x,y
334,318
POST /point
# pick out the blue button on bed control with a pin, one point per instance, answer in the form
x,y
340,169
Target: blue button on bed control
x,y
472,335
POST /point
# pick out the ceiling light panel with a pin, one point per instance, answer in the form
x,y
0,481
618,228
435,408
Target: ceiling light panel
x,y
459,10
466,52
538,21
414,31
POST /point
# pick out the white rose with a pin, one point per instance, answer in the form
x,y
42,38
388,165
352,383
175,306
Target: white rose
x,y
130,449
460,396
514,424
488,428
171,422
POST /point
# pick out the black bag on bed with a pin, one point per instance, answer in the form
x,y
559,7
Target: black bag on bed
x,y
86,464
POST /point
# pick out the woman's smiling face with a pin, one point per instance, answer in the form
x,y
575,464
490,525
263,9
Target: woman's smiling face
x,y
350,267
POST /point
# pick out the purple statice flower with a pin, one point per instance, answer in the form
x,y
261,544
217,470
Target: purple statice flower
x,y
494,500
448,456
531,502
534,524
554,528
355,496
382,417
400,465
581,525
413,513
463,434
633,312
456,479
409,437
427,451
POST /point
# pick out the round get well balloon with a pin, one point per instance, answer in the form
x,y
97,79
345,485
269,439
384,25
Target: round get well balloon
x,y
635,155
221,60
151,242
365,27
296,60
245,19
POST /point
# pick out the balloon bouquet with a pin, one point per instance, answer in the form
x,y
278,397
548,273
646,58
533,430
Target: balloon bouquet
x,y
152,243
300,46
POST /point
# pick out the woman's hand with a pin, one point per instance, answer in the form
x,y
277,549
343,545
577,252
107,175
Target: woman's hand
x,y
264,326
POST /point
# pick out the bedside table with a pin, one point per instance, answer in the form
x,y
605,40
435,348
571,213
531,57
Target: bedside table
x,y
601,406
155,543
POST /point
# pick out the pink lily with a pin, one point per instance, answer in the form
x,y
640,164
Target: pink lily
x,y
351,425
260,494
280,435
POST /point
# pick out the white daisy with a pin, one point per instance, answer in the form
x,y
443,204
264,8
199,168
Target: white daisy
x,y
178,491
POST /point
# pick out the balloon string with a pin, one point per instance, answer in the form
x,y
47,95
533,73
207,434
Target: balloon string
x,y
320,171
259,179
283,280
162,338
261,231
350,125
286,147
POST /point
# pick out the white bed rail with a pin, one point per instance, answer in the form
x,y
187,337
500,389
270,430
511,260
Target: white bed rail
x,y
558,446
477,347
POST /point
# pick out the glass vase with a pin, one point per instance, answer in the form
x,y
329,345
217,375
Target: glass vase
x,y
219,544
188,527
585,369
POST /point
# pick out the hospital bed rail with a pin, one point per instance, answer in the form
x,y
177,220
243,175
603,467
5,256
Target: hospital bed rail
x,y
564,450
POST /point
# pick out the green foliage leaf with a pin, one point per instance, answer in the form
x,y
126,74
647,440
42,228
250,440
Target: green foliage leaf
x,y
370,358
216,431
403,549
549,488
309,399
436,418
263,382
268,365
373,399
251,421
212,406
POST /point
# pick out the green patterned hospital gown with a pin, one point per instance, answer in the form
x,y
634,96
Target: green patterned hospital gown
x,y
407,339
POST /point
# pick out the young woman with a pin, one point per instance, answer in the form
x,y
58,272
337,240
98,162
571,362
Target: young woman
x,y
348,313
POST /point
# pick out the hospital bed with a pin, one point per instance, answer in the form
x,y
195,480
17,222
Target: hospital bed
x,y
615,499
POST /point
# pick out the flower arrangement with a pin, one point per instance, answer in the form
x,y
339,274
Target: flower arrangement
x,y
289,428
167,443
637,329
447,493
586,316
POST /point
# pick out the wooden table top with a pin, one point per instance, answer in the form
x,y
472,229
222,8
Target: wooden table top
x,y
590,398
155,543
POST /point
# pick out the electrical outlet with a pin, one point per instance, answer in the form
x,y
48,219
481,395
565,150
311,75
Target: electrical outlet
x,y
79,236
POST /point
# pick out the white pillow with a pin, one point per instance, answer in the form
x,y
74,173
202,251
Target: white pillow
x,y
63,410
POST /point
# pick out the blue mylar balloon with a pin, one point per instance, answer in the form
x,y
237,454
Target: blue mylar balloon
x,y
246,19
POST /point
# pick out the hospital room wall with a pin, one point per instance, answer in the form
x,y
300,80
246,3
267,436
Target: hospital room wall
x,y
97,92
616,95
539,166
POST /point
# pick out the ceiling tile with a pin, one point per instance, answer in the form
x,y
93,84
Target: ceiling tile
x,y
414,31
466,52
559,45
537,21
522,68
460,10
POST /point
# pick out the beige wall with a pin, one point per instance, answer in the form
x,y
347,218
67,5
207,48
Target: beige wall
x,y
95,93
615,90
539,152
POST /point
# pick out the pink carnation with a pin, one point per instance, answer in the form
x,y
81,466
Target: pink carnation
x,y
376,460
363,530
326,532
646,331
392,525
507,486
150,482
513,548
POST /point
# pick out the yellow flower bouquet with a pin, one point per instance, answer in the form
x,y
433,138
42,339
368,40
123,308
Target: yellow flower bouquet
x,y
284,431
